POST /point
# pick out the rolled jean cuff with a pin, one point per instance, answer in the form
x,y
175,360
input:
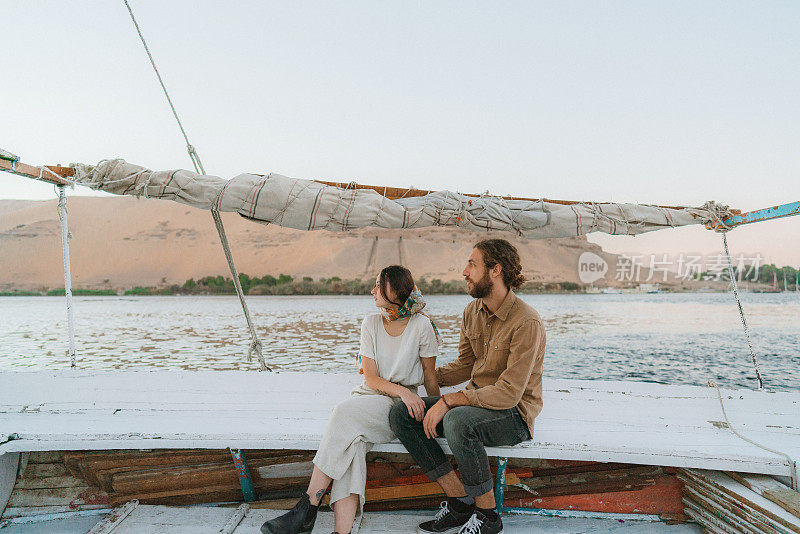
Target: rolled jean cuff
x,y
480,489
439,471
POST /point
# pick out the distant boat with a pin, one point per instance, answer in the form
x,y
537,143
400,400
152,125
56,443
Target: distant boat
x,y
649,288
611,290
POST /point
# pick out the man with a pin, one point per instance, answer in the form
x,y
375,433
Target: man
x,y
500,353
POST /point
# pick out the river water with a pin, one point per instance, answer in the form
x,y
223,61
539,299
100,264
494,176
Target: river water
x,y
684,338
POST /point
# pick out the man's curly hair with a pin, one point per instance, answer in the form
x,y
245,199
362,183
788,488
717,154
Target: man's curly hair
x,y
501,251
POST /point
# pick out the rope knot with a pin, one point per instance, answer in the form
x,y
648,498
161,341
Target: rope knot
x,y
713,216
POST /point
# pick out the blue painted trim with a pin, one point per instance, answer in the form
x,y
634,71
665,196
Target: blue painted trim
x,y
581,514
55,515
765,214
243,470
500,484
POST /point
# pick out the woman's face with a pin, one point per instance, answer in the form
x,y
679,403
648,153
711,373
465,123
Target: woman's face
x,y
381,302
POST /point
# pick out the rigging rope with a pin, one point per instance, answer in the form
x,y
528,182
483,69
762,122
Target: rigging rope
x,y
255,343
739,304
792,464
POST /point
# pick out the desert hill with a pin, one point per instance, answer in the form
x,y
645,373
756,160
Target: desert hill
x,y
124,242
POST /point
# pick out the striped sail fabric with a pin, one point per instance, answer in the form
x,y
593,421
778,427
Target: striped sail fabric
x,y
309,205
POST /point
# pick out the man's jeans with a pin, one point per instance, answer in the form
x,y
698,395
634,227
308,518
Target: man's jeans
x,y
467,430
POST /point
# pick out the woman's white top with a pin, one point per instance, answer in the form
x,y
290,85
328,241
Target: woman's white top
x,y
397,357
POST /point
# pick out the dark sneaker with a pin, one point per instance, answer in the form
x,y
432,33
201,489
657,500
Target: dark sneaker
x,y
446,521
299,519
480,524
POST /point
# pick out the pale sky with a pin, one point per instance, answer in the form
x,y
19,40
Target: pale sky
x,y
671,103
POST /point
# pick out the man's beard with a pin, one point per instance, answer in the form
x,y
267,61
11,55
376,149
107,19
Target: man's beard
x,y
482,287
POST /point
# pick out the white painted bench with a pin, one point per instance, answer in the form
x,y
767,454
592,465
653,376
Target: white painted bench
x,y
629,422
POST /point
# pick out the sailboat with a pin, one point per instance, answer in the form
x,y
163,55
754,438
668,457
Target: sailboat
x,y
605,451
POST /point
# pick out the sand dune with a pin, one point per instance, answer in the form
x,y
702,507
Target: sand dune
x,y
124,242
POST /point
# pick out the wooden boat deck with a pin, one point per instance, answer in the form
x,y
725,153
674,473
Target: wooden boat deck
x,y
212,520
629,422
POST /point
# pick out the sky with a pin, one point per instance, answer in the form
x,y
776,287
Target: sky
x,y
671,103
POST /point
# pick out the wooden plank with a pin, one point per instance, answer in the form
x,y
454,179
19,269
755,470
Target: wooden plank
x,y
149,465
44,471
411,491
151,480
738,507
152,519
28,511
710,522
58,496
256,517
274,504
45,457
770,489
584,477
664,497
49,482
183,496
726,487
110,523
732,521
213,493
724,506
292,469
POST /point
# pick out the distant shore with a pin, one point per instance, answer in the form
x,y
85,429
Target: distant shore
x,y
286,285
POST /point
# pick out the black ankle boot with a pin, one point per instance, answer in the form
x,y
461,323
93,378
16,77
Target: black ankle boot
x,y
299,519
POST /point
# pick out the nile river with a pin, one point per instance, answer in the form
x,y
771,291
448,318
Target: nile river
x,y
685,338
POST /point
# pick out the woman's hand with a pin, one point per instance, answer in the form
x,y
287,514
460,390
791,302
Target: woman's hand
x,y
415,405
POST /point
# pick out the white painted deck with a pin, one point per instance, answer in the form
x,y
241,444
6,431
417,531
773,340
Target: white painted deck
x,y
629,422
202,520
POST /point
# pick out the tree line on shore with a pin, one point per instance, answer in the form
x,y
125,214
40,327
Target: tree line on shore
x,y
285,284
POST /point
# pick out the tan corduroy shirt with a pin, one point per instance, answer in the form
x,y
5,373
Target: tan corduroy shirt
x,y
501,355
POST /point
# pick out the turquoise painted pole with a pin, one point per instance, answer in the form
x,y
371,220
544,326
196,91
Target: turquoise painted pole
x,y
500,484
765,214
243,470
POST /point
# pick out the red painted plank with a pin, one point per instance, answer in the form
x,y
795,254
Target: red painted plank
x,y
662,498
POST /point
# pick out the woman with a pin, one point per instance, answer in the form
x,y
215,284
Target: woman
x,y
398,352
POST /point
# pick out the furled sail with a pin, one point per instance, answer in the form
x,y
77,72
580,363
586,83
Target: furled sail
x,y
311,205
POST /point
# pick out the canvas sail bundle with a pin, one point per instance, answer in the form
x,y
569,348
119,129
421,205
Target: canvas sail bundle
x,y
310,205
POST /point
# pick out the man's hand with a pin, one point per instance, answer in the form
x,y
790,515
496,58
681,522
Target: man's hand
x,y
433,417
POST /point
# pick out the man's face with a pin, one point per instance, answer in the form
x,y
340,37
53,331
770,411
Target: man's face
x,y
479,283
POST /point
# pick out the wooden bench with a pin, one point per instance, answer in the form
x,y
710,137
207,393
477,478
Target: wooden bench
x,y
601,421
